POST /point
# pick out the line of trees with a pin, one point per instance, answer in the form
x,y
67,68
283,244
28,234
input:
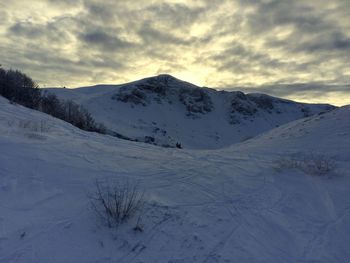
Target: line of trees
x,y
20,88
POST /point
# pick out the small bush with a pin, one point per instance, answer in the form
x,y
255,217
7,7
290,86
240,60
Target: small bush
x,y
114,204
313,164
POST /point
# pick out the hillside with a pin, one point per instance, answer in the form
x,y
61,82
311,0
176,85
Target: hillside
x,y
164,110
229,205
323,133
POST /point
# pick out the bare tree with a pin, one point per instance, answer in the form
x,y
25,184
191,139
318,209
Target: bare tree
x,y
19,88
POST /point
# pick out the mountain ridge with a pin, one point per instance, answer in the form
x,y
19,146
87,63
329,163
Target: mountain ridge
x,y
155,110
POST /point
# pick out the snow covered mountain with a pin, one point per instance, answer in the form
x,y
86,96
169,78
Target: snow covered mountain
x,y
224,205
164,110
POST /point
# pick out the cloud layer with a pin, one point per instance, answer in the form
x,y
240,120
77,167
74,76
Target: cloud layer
x,y
268,44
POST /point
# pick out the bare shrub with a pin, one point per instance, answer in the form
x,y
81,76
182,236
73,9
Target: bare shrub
x,y
115,203
311,163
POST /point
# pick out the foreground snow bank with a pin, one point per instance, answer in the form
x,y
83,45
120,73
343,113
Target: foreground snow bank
x,y
202,206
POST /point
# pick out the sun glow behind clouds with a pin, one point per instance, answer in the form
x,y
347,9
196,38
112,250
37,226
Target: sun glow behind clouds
x,y
221,44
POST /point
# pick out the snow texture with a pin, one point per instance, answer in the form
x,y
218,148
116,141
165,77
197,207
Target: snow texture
x,y
226,205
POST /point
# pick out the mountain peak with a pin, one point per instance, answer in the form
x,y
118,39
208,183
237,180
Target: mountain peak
x,y
165,80
165,76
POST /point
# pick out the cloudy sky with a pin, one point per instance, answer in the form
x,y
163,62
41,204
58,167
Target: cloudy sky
x,y
290,48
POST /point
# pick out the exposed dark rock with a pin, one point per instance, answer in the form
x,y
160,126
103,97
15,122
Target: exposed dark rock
x,y
263,102
306,112
149,139
135,97
196,101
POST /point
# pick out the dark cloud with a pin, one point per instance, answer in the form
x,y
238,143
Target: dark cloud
x,y
151,35
175,15
104,40
240,58
306,17
31,32
26,30
336,41
108,12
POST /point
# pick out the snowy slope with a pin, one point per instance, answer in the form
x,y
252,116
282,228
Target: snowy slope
x,y
321,133
228,205
166,110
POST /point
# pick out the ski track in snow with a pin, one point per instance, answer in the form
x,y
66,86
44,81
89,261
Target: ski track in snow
x,y
228,205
